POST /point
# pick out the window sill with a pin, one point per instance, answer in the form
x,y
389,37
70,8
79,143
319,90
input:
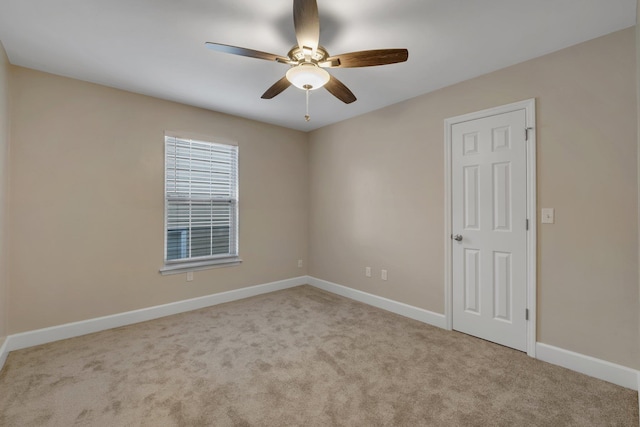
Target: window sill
x,y
183,267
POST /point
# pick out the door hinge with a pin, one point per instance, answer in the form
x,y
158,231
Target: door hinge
x,y
526,133
526,314
527,224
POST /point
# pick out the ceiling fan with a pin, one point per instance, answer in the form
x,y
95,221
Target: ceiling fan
x,y
308,59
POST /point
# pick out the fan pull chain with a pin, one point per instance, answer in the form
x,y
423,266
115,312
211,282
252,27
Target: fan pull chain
x,y
307,117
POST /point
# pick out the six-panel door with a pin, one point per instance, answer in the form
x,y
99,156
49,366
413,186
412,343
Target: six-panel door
x,y
489,212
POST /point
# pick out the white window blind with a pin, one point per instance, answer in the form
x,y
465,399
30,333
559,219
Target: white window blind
x,y
201,200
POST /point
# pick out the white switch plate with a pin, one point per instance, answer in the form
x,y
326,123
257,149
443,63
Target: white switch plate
x,y
367,271
383,274
189,276
548,215
299,263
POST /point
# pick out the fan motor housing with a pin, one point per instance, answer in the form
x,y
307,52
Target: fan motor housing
x,y
297,54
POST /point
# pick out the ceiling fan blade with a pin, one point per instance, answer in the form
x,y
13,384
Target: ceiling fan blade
x,y
366,58
307,23
340,91
235,50
277,88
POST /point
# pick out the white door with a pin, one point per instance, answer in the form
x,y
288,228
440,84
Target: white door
x,y
489,203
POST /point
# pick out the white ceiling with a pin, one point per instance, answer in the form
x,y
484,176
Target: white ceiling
x,y
156,47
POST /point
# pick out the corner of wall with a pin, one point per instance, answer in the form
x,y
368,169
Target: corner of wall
x,y
4,189
638,161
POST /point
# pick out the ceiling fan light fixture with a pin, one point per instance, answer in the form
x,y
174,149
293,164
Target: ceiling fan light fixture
x,y
308,59
308,76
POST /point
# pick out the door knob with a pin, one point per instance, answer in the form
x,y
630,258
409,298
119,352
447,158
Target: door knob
x,y
457,237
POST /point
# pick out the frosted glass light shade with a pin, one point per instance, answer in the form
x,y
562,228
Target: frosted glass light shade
x,y
307,75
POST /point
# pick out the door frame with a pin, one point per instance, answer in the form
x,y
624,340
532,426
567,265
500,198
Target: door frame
x,y
529,106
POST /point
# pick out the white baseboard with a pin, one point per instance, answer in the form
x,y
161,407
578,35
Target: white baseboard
x,y
75,329
597,368
3,352
406,310
607,371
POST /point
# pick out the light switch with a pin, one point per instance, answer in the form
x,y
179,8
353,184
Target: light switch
x,y
548,215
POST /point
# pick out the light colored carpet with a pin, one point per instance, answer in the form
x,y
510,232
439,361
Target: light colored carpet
x,y
296,357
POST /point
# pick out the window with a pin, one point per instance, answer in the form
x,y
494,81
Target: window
x,y
201,204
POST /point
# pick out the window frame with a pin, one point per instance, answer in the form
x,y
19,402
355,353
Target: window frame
x,y
175,266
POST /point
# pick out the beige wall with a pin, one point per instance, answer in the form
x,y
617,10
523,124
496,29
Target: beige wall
x,y
638,123
87,201
377,194
4,147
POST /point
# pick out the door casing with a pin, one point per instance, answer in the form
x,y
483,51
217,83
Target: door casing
x,y
529,106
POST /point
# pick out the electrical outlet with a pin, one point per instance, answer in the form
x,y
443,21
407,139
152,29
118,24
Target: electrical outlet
x,y
299,263
189,276
367,271
383,274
